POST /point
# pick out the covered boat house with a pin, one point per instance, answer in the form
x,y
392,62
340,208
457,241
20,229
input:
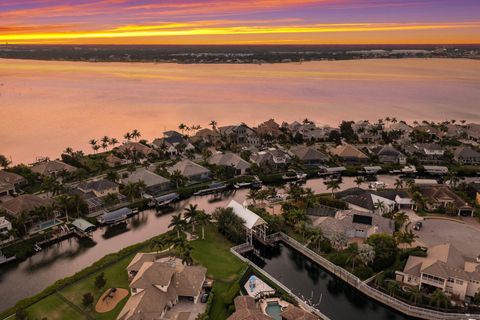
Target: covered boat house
x,y
254,225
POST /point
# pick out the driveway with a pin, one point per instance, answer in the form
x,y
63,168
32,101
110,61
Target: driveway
x,y
463,236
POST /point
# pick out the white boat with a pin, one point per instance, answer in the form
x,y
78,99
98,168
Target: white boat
x,y
377,185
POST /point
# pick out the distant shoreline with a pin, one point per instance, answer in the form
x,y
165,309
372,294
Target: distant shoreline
x,y
233,63
268,54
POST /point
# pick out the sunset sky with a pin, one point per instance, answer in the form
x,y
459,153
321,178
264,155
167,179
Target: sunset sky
x,y
240,21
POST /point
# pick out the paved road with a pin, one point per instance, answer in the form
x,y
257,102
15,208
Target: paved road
x,y
463,236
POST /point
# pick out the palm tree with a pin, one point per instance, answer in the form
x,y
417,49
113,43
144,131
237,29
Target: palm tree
x,y
182,127
177,223
398,184
439,299
135,134
95,148
128,136
419,200
191,213
252,195
113,142
453,178
359,180
415,295
4,162
333,185
104,146
213,124
406,236
64,201
393,287
68,150
93,143
314,235
203,219
105,140
178,178
50,184
379,206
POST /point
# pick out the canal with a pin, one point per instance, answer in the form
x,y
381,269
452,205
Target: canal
x,y
26,278
306,279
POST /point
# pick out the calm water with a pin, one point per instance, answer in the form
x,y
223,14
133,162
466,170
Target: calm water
x,y
332,296
47,106
44,268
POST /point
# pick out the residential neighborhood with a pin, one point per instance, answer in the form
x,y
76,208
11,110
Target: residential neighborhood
x,y
365,197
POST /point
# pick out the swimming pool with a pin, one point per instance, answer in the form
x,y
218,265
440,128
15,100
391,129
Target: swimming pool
x,y
48,224
274,309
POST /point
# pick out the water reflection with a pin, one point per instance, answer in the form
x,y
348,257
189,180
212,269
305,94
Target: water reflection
x,y
331,295
70,256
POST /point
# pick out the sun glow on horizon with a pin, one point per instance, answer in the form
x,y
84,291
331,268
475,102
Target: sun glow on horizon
x,y
232,22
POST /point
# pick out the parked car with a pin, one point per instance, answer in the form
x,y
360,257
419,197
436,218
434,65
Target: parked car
x,y
204,298
418,226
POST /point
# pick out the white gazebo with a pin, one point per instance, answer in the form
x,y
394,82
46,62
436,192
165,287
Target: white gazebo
x,y
254,224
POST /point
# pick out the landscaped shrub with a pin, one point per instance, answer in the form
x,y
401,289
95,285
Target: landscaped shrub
x,y
326,246
87,300
341,259
363,272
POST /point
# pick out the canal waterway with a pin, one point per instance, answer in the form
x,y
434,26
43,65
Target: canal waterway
x,y
26,278
306,279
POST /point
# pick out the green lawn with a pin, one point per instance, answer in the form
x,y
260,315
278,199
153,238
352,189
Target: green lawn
x,y
213,252
116,276
223,267
53,307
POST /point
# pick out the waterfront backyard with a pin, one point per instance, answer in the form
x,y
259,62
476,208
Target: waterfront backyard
x,y
65,301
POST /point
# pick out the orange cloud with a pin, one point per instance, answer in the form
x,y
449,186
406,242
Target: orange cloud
x,y
216,28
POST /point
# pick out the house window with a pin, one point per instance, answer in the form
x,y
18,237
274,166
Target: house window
x,y
460,282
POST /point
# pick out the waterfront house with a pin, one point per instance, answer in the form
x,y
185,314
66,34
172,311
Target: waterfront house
x,y
24,203
272,158
466,155
442,197
158,285
10,183
443,268
353,224
190,170
230,159
100,188
246,308
21,208
308,156
349,154
94,193
379,202
153,181
240,134
426,152
389,154
52,168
